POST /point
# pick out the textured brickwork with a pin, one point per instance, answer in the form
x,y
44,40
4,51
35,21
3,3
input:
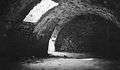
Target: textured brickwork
x,y
66,11
35,36
90,34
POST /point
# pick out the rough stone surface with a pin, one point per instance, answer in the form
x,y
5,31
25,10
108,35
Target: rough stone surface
x,y
18,38
90,34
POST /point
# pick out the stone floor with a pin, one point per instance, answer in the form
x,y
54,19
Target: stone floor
x,y
58,63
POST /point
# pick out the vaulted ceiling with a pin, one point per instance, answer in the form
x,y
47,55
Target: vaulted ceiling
x,y
14,12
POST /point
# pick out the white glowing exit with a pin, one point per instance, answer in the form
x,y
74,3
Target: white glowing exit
x,y
51,46
40,9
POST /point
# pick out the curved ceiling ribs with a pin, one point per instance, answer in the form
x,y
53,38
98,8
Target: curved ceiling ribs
x,y
66,11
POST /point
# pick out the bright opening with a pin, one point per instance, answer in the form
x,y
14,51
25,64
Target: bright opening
x,y
51,46
40,9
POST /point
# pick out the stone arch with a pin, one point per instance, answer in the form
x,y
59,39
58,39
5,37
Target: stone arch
x,y
56,18
66,11
98,11
87,29
97,36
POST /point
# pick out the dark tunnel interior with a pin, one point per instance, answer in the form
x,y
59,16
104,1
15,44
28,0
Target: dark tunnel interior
x,y
90,34
16,40
87,33
13,37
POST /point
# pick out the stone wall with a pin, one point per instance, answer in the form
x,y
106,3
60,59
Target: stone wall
x,y
17,37
90,34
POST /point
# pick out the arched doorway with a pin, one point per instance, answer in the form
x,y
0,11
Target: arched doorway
x,y
97,12
60,15
86,35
